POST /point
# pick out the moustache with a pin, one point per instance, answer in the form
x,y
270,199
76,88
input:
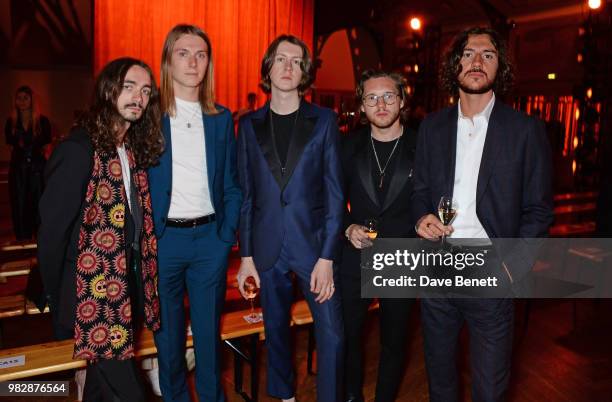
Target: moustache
x,y
475,70
139,106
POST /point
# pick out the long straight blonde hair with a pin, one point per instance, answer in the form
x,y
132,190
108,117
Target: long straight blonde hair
x,y
207,87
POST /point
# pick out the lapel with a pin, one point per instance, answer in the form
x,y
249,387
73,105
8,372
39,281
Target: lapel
x,y
210,142
261,128
402,171
166,157
492,148
448,147
364,167
305,125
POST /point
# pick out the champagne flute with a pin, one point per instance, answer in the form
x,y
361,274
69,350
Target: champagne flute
x,y
251,290
446,212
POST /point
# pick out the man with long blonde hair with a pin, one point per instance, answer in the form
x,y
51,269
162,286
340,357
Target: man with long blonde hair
x,y
196,201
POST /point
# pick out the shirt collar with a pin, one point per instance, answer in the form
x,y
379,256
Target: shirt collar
x,y
486,112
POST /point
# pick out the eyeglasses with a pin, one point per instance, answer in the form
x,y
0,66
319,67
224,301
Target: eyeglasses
x,y
372,100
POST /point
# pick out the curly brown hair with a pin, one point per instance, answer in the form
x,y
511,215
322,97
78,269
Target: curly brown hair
x,y
144,137
308,71
451,64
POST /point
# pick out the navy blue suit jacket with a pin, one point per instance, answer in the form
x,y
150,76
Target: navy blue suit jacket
x,y
222,175
304,206
514,190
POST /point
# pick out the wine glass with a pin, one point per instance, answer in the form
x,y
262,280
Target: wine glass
x,y
447,211
371,228
251,290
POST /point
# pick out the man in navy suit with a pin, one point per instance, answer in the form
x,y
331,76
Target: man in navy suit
x,y
291,217
495,162
196,202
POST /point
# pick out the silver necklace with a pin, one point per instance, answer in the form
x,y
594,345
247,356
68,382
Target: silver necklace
x,y
381,171
195,111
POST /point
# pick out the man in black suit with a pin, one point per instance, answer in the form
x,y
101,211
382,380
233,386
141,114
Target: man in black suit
x,y
377,163
495,162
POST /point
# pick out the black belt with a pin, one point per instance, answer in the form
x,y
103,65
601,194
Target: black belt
x,y
190,223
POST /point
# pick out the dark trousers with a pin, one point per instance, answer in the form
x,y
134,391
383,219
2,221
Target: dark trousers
x,y
113,381
196,259
276,300
394,319
490,323
25,187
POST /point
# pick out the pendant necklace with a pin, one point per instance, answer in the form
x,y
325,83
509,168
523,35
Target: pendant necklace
x,y
381,170
195,111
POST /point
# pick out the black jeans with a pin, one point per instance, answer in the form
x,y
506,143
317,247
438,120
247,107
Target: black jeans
x,y
394,319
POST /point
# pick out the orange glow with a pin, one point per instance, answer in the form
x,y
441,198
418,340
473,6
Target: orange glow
x,y
573,167
577,114
451,100
552,76
125,28
579,57
416,68
575,142
589,93
594,4
415,23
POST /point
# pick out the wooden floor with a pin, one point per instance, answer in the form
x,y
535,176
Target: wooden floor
x,y
553,361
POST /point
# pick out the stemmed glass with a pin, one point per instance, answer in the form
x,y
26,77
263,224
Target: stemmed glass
x,y
447,210
371,228
251,290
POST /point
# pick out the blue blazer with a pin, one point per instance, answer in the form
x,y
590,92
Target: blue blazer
x,y
514,190
303,207
222,175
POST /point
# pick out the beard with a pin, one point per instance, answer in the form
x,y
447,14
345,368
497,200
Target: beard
x,y
476,91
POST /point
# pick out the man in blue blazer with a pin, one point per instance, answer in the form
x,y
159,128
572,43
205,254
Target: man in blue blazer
x,y
495,163
291,217
196,201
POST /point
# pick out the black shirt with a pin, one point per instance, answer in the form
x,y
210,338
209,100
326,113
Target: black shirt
x,y
282,130
383,150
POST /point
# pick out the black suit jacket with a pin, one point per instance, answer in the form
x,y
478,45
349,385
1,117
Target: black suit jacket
x,y
67,174
394,214
514,190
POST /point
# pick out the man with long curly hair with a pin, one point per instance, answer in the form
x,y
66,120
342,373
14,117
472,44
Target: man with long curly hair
x,y
495,163
96,246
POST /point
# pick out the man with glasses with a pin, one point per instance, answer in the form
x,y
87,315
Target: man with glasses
x,y
495,163
377,162
291,217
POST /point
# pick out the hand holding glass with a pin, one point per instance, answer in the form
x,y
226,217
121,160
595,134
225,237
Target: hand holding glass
x,y
446,212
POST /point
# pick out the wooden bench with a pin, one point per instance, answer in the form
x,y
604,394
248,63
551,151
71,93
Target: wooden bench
x,y
16,268
10,306
57,356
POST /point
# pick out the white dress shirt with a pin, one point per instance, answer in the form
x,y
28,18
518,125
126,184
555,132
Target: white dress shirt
x,y
191,196
125,170
471,135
